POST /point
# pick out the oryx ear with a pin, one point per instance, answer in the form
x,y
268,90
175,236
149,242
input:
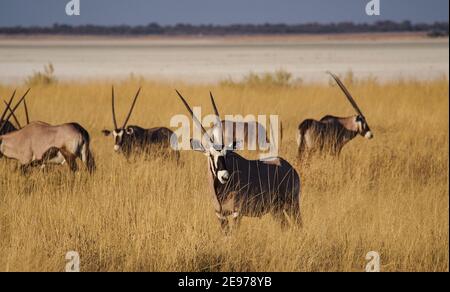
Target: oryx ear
x,y
130,131
196,145
106,132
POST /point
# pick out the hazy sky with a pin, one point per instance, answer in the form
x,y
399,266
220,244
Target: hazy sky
x,y
106,12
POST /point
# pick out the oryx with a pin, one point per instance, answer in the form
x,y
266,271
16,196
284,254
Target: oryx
x,y
251,132
331,133
242,187
52,157
39,142
130,140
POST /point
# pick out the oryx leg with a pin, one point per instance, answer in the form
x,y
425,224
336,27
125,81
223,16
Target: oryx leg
x,y
175,154
52,156
289,216
71,159
47,156
305,147
294,216
223,223
24,169
55,158
88,158
280,217
337,150
303,155
237,217
301,146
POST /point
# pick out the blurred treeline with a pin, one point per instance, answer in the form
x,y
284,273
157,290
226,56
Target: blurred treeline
x,y
436,29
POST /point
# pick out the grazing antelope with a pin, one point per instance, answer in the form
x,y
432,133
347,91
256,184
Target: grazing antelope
x,y
53,157
241,187
242,131
39,142
331,133
137,140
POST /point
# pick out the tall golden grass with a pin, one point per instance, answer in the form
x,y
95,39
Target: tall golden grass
x,y
389,194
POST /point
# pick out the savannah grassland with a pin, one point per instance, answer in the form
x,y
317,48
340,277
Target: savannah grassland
x,y
389,194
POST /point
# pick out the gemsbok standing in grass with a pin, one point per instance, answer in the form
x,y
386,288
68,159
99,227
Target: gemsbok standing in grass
x,y
330,134
130,140
37,143
252,188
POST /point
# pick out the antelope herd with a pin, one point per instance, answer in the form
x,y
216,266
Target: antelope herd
x,y
239,187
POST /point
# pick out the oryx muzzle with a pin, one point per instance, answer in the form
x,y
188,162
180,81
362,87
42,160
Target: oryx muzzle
x,y
241,187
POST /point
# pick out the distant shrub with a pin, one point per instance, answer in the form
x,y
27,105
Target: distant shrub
x,y
46,77
136,78
437,33
349,77
279,78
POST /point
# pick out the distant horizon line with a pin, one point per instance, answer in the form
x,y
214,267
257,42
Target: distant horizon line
x,y
436,29
320,23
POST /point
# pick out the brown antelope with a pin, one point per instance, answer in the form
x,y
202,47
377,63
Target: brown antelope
x,y
241,187
241,130
130,140
331,133
53,157
39,142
